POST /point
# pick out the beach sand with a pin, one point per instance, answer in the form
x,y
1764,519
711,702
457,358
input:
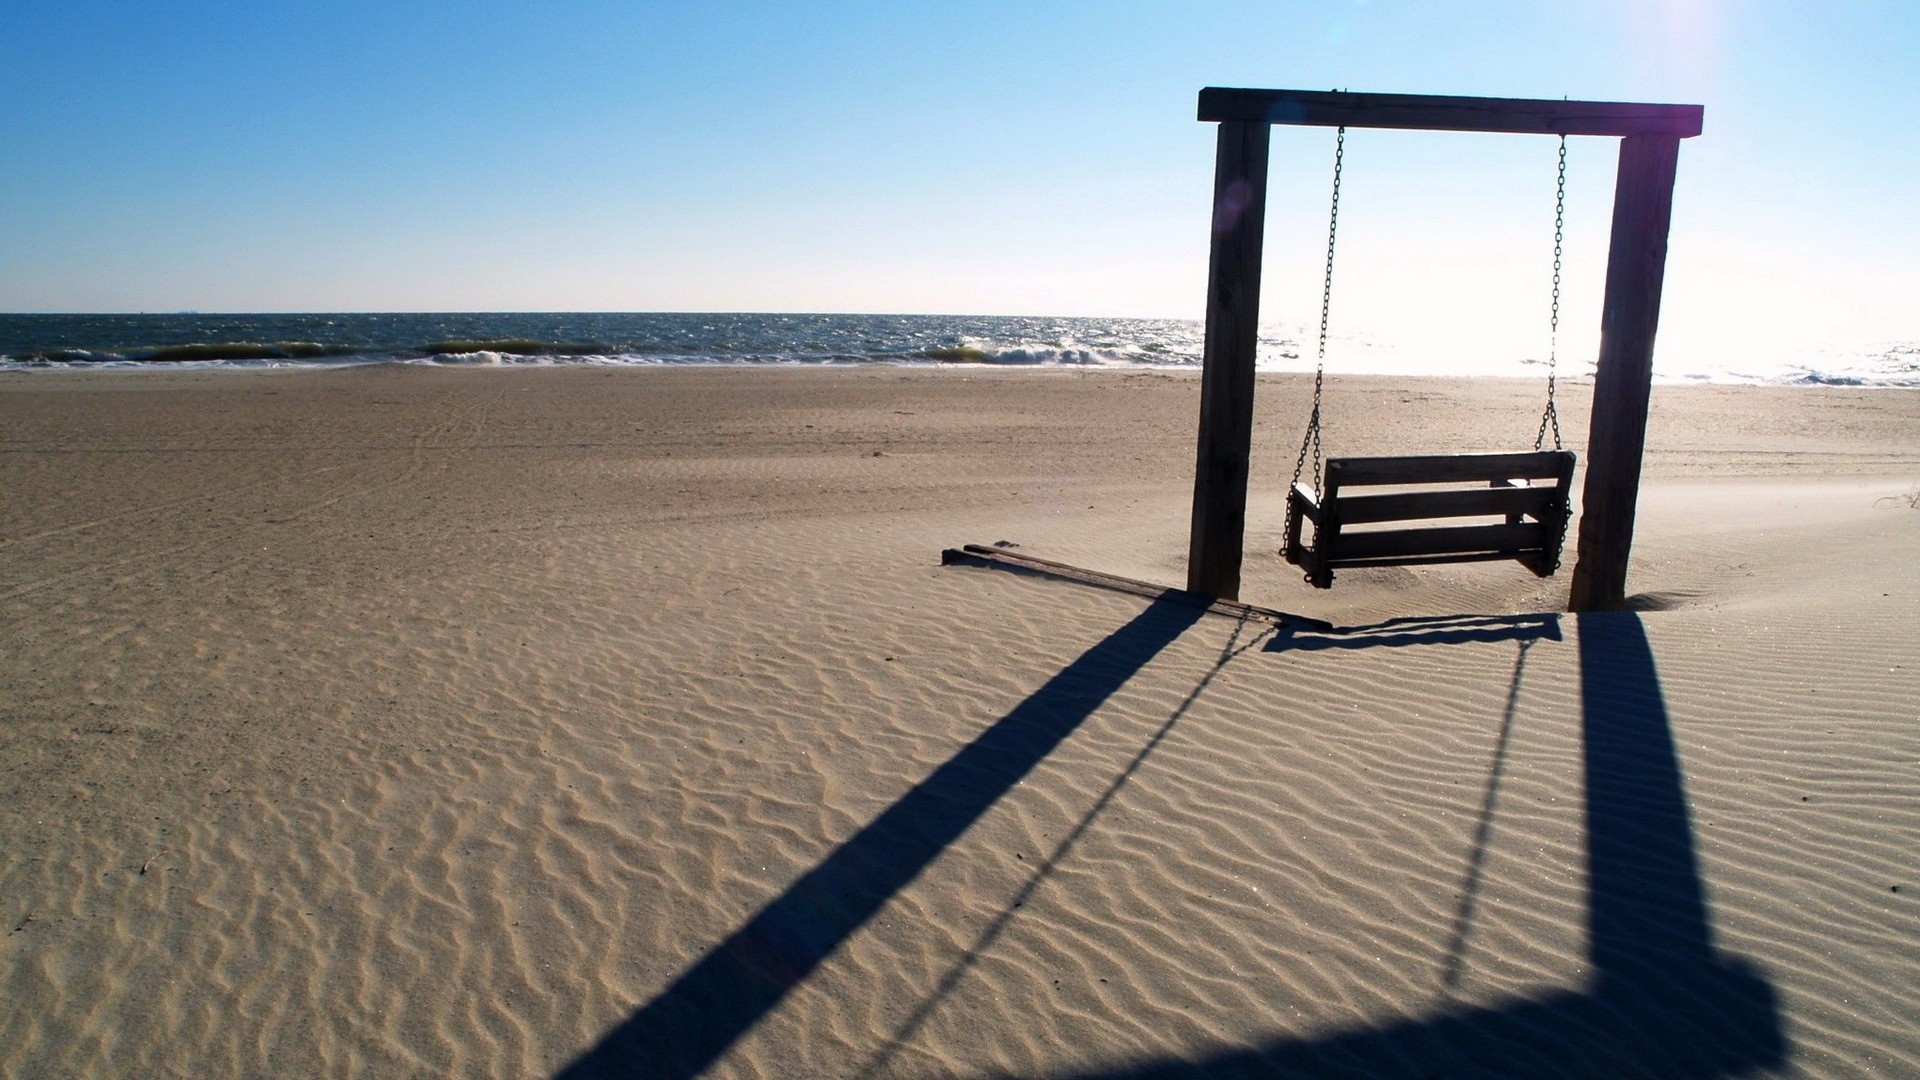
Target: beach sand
x,y
449,722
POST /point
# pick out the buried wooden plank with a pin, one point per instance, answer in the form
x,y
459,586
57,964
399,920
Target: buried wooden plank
x,y
981,555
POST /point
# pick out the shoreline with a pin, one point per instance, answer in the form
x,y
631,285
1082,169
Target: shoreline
x,y
522,363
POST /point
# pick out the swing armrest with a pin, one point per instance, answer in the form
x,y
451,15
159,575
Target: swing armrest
x,y
1302,499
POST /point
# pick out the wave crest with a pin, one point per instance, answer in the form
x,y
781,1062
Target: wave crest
x,y
1037,355
515,347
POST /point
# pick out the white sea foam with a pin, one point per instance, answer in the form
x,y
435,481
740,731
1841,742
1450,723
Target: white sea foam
x,y
634,340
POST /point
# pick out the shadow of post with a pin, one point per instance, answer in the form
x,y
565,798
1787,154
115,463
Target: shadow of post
x,y
1662,1002
727,991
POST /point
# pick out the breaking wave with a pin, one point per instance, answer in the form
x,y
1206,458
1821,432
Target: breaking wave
x,y
628,340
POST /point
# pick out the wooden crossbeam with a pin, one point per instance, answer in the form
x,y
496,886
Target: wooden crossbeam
x,y
1433,112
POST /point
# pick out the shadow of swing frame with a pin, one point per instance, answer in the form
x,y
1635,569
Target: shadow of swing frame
x,y
1662,1000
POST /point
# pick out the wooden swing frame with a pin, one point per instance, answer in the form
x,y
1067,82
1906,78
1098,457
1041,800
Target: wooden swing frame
x,y
1636,266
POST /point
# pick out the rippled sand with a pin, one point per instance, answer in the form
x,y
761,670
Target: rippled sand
x,y
503,723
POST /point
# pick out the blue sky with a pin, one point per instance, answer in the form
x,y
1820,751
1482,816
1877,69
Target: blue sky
x,y
1012,158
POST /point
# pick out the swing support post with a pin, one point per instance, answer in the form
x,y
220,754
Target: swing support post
x,y
1650,136
1226,375
1623,379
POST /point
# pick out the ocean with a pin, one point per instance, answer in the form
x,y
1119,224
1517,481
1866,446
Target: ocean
x,y
188,339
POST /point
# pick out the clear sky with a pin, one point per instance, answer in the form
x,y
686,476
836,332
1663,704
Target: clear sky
x,y
991,158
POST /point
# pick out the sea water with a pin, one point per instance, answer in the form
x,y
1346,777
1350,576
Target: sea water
x,y
281,340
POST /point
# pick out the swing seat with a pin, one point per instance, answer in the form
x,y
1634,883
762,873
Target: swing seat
x,y
1535,522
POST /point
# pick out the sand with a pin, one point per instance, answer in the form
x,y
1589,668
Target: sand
x,y
403,721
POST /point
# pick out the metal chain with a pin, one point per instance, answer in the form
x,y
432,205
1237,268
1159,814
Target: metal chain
x,y
1551,417
1311,440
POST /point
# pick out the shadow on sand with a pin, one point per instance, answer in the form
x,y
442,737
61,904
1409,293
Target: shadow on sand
x,y
1662,1000
1440,630
691,1023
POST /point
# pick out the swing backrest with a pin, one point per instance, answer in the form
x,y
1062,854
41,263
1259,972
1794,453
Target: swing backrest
x,y
1535,514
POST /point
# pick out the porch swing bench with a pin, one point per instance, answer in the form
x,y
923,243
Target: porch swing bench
x,y
1535,514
